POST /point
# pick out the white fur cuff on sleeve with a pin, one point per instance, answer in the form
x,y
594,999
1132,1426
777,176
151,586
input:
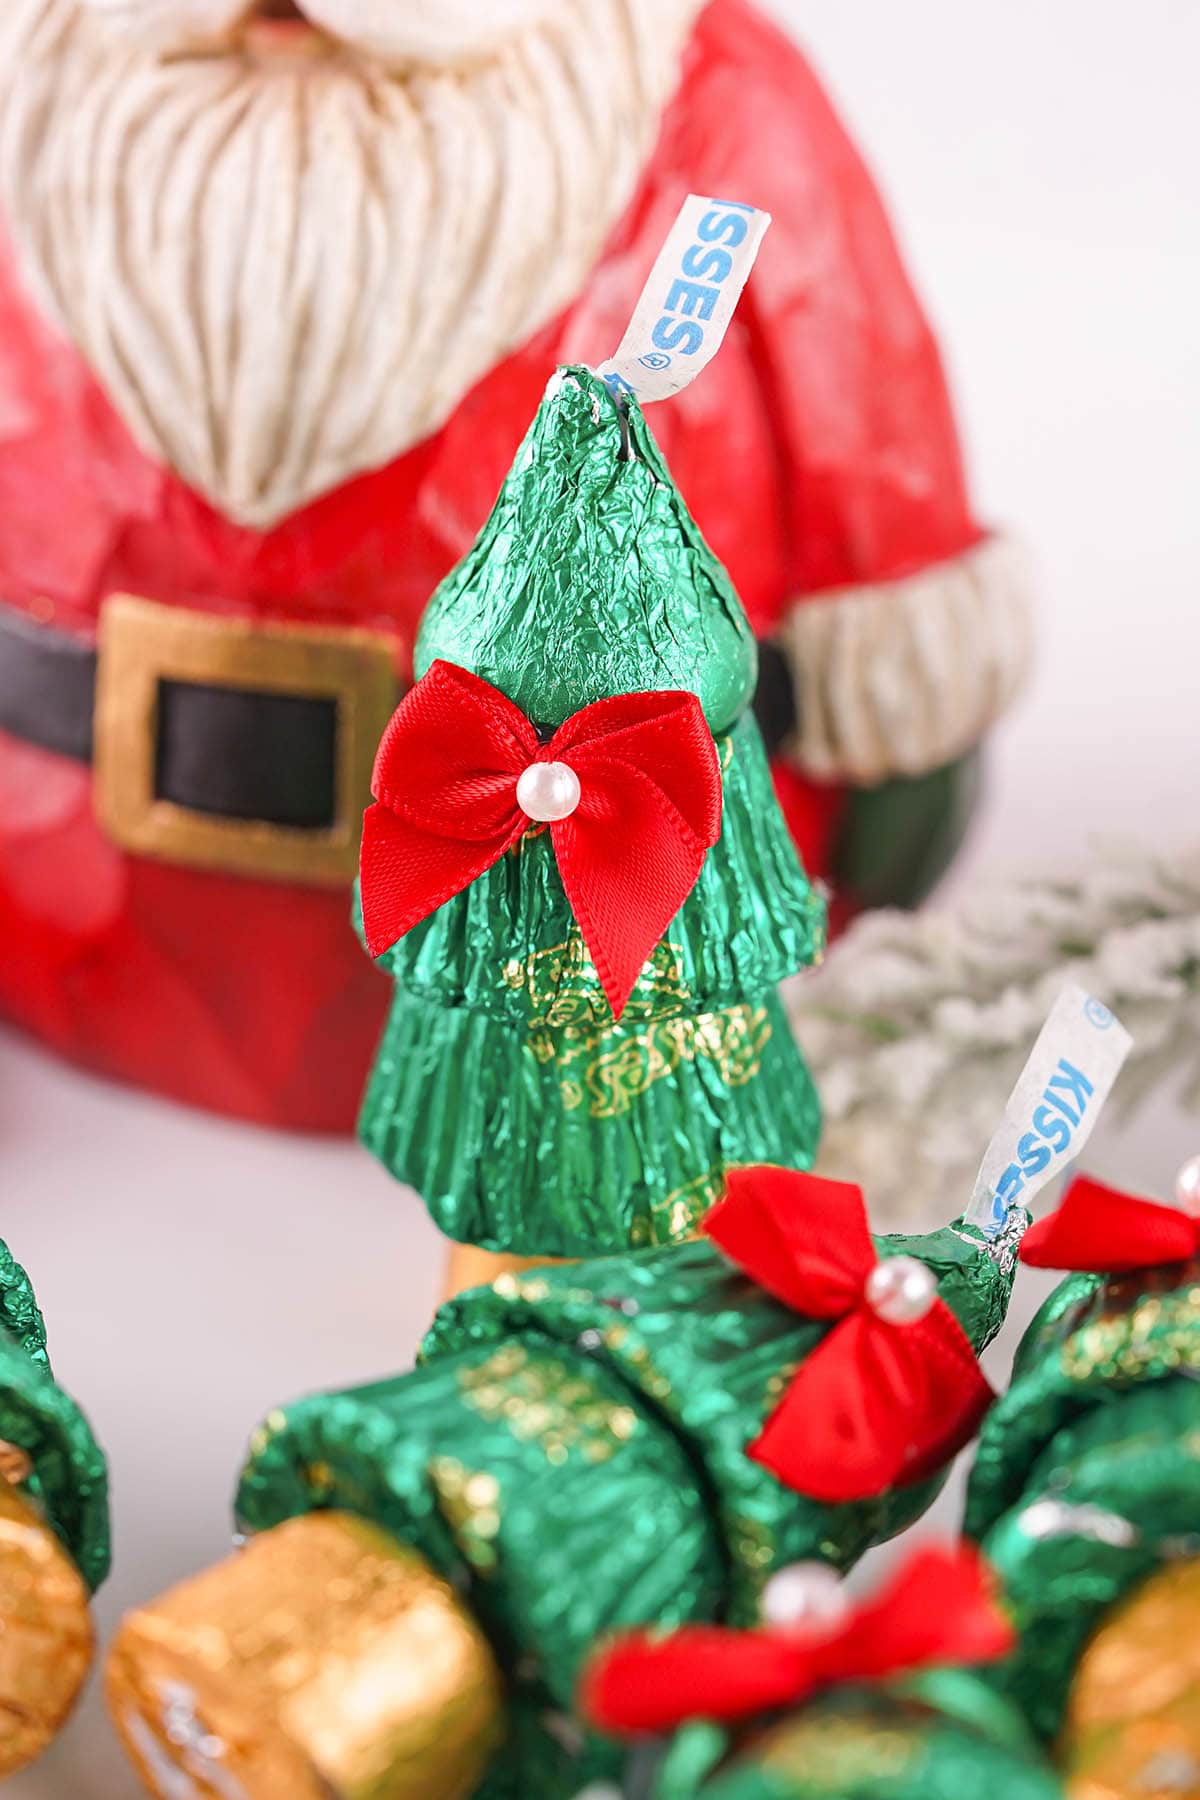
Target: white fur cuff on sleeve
x,y
898,677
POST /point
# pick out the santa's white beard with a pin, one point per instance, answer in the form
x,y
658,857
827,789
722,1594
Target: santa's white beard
x,y
288,268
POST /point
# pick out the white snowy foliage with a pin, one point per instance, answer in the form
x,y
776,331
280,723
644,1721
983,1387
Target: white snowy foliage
x,y
917,1025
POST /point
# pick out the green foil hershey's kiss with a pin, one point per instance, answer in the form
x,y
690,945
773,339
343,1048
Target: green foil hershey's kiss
x,y
591,577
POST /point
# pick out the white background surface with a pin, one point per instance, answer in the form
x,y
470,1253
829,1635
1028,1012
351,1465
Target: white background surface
x,y
1040,162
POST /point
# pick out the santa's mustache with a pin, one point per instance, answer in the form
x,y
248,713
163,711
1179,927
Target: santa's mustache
x,y
400,32
288,267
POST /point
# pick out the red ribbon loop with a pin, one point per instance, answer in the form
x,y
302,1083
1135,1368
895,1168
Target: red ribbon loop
x,y
446,809
939,1607
876,1405
1099,1230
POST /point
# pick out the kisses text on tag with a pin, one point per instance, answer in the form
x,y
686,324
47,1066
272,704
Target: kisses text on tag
x,y
1054,1121
693,293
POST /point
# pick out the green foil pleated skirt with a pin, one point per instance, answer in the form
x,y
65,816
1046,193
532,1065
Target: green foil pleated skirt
x,y
574,1141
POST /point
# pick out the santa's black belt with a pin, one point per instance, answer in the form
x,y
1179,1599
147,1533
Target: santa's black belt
x,y
216,742
225,744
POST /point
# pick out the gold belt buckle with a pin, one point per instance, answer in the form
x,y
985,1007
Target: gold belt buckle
x,y
142,644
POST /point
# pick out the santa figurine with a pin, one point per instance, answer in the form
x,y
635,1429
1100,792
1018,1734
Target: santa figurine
x,y
280,288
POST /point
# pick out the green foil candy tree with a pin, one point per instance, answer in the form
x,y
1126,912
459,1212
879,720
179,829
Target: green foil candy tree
x,y
504,1091
570,1456
1085,1495
52,1454
54,1531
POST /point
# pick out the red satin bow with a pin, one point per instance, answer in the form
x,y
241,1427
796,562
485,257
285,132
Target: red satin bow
x,y
1100,1230
629,855
938,1608
875,1405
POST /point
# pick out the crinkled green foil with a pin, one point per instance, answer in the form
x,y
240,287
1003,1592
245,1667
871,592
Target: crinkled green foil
x,y
502,1090
548,1757
70,1479
591,577
509,1465
530,1122
872,1744
1114,1493
508,944
20,1314
962,1696
713,1352
1103,1415
556,1144
572,1451
535,1479
1091,1339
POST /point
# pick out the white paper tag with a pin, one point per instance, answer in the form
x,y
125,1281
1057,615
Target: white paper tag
x,y
687,303
1052,1109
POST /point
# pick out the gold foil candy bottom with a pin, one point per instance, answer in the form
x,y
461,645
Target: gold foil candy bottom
x,y
46,1641
325,1661
468,1266
1132,1728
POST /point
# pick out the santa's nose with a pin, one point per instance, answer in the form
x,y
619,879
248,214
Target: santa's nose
x,y
283,29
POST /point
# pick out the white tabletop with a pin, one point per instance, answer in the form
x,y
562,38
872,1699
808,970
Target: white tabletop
x,y
195,1273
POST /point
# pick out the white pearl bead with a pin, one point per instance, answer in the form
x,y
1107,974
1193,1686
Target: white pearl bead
x,y
548,791
901,1290
1187,1187
805,1593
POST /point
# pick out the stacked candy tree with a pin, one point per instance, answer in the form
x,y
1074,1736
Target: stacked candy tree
x,y
1085,1493
576,870
645,1437
54,1532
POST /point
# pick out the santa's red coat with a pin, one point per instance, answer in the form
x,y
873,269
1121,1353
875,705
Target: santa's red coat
x,y
818,450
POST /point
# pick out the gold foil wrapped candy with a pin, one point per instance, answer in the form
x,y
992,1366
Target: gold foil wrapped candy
x,y
46,1642
1132,1728
322,1662
467,1267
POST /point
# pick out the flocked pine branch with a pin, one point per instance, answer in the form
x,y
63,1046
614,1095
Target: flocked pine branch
x,y
917,1025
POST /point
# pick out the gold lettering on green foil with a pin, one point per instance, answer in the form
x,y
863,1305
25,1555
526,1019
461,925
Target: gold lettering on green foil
x,y
1156,1336
838,1755
620,1342
678,1214
549,1402
608,1071
732,1040
605,1066
469,1500
754,1548
563,989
